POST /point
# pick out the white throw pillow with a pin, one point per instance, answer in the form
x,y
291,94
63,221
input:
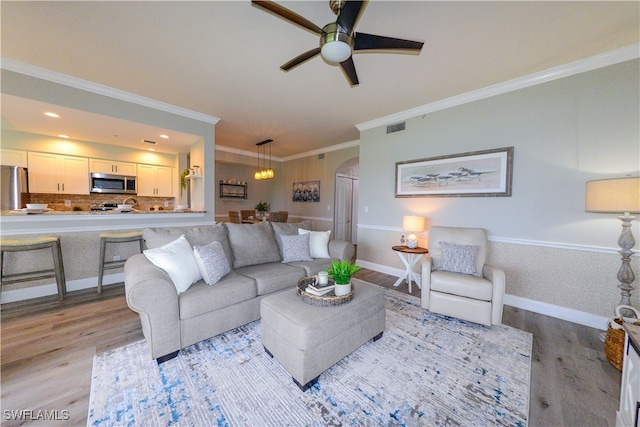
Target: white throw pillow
x,y
318,242
296,248
176,258
212,262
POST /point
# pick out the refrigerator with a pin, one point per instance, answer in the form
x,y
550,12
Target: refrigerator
x,y
14,190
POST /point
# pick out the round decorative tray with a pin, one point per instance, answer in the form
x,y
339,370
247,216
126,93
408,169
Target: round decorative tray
x,y
327,300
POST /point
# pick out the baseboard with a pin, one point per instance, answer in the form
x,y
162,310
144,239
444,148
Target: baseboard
x,y
51,288
551,310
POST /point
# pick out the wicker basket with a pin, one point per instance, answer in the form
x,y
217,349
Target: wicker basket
x,y
327,300
614,341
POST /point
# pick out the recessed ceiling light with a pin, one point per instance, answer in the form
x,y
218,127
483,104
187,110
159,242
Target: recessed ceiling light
x,y
164,136
63,136
52,114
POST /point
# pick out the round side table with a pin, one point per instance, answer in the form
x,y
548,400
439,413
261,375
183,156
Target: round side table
x,y
409,257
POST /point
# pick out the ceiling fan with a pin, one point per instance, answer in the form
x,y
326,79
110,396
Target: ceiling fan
x,y
338,40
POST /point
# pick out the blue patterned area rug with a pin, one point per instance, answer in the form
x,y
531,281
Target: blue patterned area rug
x,y
427,370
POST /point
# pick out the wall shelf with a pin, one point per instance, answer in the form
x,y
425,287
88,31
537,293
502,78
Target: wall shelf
x,y
233,191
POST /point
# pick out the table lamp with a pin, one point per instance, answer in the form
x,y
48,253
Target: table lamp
x,y
621,196
412,223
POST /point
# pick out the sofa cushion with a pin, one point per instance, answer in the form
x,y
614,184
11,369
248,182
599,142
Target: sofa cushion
x,y
459,258
252,244
273,276
202,298
295,248
212,262
462,285
318,242
176,258
312,267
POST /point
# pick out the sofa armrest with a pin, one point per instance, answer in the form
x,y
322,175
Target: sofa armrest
x,y
151,293
341,249
426,281
497,277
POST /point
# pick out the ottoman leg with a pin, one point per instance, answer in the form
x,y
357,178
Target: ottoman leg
x,y
267,351
308,385
377,337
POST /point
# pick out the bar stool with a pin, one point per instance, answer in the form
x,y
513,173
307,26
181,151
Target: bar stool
x,y
108,237
30,244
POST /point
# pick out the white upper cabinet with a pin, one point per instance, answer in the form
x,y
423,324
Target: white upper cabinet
x,y
13,157
53,173
112,167
155,181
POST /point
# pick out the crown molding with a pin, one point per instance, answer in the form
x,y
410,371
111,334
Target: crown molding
x,y
295,156
588,64
76,83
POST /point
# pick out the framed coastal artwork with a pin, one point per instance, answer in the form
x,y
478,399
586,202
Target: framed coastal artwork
x,y
486,173
308,191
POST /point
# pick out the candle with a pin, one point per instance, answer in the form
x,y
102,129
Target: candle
x,y
323,277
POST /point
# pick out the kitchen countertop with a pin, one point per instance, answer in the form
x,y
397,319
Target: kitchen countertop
x,y
111,212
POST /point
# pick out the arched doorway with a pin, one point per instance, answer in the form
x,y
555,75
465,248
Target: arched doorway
x,y
345,220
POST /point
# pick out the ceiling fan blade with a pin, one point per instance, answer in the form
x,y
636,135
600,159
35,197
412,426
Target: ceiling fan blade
x,y
300,59
349,15
288,15
350,69
370,41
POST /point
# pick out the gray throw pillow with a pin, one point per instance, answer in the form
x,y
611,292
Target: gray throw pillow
x,y
212,262
295,248
287,229
459,258
252,244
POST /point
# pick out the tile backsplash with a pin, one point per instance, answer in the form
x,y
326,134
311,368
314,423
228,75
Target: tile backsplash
x,y
83,202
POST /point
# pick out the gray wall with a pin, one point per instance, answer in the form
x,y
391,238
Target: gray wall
x,y
565,133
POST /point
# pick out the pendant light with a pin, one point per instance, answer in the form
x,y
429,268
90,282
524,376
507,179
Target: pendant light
x,y
264,173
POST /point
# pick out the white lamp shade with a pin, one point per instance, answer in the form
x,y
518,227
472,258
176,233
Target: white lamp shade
x,y
336,51
617,195
413,223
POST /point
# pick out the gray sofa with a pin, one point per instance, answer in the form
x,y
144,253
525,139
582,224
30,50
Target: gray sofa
x,y
172,320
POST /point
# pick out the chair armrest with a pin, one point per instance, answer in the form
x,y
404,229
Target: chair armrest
x,y
151,293
341,249
427,265
496,276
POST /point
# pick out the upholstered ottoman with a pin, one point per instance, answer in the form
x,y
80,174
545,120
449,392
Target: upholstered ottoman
x,y
307,340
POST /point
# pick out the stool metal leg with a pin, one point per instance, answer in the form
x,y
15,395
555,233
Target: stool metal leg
x,y
59,267
103,245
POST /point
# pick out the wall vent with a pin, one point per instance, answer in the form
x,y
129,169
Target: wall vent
x,y
148,141
321,156
396,127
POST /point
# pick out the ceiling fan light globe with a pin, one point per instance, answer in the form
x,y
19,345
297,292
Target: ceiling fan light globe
x,y
336,51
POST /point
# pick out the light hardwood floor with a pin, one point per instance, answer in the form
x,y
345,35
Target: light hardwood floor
x,y
48,348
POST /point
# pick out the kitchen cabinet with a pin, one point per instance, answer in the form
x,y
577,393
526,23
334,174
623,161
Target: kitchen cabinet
x,y
58,174
13,157
155,181
112,167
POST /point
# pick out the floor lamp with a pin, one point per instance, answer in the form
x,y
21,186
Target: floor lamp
x,y
618,195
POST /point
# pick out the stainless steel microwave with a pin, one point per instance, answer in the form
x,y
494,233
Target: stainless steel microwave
x,y
115,184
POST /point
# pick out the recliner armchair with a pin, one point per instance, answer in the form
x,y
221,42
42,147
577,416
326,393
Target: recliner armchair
x,y
456,281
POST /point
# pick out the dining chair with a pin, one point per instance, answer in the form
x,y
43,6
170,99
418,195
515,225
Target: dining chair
x,y
246,214
234,217
277,217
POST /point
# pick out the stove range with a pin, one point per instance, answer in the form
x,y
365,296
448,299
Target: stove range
x,y
104,207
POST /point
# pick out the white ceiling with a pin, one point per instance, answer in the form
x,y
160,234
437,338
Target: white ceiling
x,y
222,59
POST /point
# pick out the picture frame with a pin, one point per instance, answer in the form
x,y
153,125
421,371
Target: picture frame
x,y
485,173
308,191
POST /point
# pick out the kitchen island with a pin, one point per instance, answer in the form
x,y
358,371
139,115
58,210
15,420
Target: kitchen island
x,y
79,233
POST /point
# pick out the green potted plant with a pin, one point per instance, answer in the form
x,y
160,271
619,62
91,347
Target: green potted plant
x,y
262,208
183,179
341,271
